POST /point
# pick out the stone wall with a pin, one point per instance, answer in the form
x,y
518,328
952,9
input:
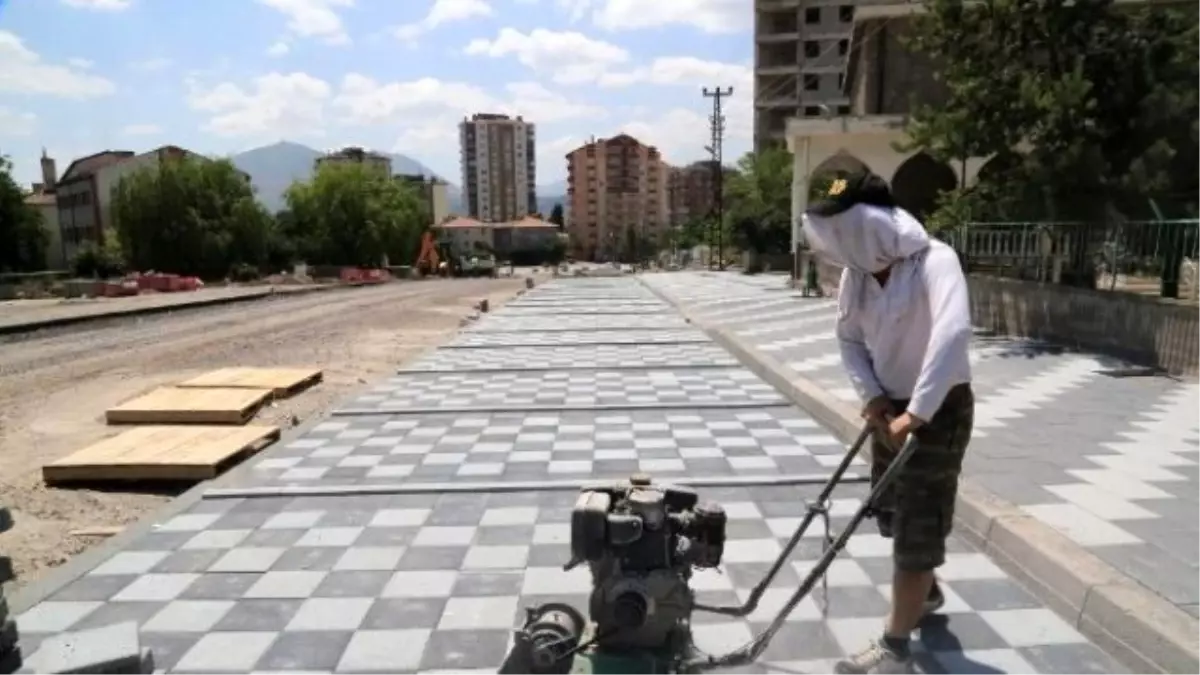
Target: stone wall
x,y
1145,330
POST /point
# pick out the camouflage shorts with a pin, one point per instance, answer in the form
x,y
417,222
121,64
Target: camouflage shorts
x,y
917,510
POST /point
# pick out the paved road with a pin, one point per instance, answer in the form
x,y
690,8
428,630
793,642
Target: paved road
x,y
321,555
1093,447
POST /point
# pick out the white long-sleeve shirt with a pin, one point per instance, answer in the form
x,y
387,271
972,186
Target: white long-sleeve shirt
x,y
909,338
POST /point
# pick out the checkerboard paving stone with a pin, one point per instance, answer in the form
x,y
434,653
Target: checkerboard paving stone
x,y
514,322
538,301
576,357
386,450
550,389
581,309
484,339
424,583
1107,459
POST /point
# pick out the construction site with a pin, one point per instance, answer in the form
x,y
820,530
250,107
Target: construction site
x,y
77,398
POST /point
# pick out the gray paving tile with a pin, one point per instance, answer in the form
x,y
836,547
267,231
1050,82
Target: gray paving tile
x,y
419,582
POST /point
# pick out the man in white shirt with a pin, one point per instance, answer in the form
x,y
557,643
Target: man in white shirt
x,y
904,330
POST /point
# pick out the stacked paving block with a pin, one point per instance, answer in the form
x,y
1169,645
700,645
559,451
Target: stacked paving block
x,y
110,649
10,654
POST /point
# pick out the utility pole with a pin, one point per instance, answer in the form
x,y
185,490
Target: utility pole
x,y
717,129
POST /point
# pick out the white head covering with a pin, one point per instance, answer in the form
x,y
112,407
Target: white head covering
x,y
866,238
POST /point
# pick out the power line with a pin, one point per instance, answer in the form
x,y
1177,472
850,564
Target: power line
x,y
717,129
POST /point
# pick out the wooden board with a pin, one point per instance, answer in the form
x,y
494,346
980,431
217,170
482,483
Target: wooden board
x,y
169,453
178,405
283,382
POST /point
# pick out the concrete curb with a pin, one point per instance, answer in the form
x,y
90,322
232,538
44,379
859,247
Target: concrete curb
x,y
59,322
1129,621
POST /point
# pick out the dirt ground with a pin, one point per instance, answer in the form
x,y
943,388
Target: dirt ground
x,y
55,388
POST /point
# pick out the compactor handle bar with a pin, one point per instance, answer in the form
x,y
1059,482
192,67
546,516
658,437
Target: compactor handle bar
x,y
751,651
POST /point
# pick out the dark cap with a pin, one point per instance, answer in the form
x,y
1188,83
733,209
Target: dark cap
x,y
861,187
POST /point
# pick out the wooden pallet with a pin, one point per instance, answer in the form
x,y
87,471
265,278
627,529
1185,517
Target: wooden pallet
x,y
284,382
179,405
166,453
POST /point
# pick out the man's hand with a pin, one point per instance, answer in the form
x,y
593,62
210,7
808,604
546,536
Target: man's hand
x,y
878,412
899,429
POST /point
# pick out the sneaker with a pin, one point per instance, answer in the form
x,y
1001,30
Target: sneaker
x,y
935,600
876,658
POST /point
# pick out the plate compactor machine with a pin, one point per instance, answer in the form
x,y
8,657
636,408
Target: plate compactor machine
x,y
643,542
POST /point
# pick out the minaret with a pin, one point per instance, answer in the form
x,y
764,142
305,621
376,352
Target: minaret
x,y
49,172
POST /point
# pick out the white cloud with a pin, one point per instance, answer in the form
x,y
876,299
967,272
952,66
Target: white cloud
x,y
710,16
82,64
567,57
314,18
141,130
426,112
364,101
14,123
24,72
278,49
151,65
100,5
682,133
444,12
276,105
684,70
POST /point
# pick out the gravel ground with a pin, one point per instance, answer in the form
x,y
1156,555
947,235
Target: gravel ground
x,y
54,389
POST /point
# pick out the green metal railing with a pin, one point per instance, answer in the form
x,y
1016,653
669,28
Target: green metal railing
x,y
1137,256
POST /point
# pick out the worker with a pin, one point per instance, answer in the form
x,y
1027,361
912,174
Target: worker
x,y
904,331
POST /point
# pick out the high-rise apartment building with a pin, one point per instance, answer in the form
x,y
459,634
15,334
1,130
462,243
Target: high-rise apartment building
x,y
615,185
691,191
801,59
499,172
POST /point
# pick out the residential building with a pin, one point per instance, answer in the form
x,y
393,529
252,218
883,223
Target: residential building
x,y
356,155
77,195
499,172
691,191
434,193
612,185
526,234
42,200
84,193
469,235
801,58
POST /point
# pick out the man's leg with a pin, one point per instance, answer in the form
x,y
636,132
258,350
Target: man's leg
x,y
924,512
884,512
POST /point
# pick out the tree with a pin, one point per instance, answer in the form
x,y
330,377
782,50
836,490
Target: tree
x,y
190,216
1103,98
349,214
556,216
23,238
758,198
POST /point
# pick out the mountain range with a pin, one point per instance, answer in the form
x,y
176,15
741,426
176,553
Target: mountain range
x,y
272,168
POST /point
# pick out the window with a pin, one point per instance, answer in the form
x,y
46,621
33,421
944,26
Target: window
x,y
843,110
812,82
846,13
812,49
812,15
812,111
841,82
843,47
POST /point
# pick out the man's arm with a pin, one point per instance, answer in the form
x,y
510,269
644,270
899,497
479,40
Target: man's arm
x,y
949,335
856,359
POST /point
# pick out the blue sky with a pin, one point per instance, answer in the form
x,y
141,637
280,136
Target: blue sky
x,y
222,76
